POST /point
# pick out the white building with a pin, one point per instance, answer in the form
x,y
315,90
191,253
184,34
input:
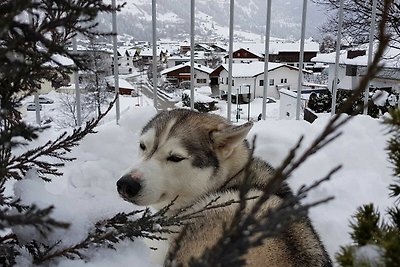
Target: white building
x,y
125,60
247,76
288,105
353,64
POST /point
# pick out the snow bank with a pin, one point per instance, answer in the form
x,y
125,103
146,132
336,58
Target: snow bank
x,y
86,193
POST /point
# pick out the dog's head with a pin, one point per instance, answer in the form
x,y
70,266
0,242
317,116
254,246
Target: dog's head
x,y
186,154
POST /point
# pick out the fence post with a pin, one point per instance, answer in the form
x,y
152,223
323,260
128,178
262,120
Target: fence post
x,y
77,88
370,50
266,58
338,41
301,60
154,24
192,15
116,68
231,17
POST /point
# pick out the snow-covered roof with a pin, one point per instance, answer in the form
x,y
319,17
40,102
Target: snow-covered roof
x,y
278,46
391,57
59,60
149,52
207,47
250,69
122,83
254,68
197,66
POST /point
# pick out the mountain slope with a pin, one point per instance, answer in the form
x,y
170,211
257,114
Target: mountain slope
x,y
173,18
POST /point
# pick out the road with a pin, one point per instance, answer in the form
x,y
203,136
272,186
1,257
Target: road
x,y
163,100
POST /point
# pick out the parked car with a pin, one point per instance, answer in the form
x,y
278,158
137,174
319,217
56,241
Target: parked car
x,y
32,107
45,100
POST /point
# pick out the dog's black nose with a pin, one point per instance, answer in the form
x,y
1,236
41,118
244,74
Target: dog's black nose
x,y
128,186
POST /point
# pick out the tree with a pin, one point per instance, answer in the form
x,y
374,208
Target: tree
x,y
68,112
357,19
34,34
94,79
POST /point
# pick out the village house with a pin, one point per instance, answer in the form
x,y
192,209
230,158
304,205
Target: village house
x,y
146,56
249,77
180,59
243,55
125,88
58,82
280,52
181,73
353,64
125,60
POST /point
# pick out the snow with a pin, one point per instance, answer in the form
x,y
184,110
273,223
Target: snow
x,y
86,192
122,83
277,46
197,66
250,69
390,57
199,97
369,255
380,97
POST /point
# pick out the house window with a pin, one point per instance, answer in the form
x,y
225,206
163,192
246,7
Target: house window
x,y
351,70
233,82
227,80
284,80
201,81
261,82
222,80
271,82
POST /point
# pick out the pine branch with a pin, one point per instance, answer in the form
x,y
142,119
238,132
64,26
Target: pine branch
x,y
126,226
38,158
32,216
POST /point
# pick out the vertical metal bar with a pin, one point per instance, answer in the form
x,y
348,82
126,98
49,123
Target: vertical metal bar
x,y
248,108
37,108
338,41
266,58
154,24
301,59
36,96
77,88
192,15
370,50
231,16
116,67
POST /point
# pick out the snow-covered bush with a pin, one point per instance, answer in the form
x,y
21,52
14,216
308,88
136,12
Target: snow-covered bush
x,y
201,103
379,102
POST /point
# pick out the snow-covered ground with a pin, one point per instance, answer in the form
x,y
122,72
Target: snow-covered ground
x,y
87,193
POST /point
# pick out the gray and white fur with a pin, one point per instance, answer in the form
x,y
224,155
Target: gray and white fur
x,y
193,155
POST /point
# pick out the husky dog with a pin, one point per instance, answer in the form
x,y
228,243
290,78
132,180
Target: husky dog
x,y
198,157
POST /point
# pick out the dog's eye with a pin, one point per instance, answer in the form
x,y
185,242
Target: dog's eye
x,y
175,158
142,146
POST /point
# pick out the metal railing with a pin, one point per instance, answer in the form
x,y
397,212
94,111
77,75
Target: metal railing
x,y
230,63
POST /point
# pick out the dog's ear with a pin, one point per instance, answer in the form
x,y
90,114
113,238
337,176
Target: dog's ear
x,y
227,138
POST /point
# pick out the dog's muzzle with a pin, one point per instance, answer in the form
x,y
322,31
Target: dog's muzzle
x,y
128,186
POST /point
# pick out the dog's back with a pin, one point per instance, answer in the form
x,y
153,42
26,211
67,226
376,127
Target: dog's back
x,y
297,245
